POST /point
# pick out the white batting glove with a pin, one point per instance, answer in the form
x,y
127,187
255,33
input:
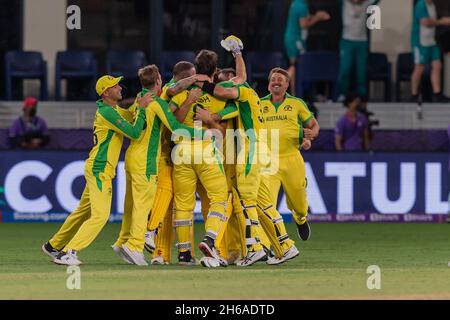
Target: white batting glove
x,y
232,44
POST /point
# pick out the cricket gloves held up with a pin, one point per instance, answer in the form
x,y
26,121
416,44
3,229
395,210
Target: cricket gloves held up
x,y
232,44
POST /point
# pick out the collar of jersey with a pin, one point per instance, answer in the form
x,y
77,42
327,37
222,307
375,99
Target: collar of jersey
x,y
144,91
278,104
101,104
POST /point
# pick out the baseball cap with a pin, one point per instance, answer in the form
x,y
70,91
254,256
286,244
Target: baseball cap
x,y
30,102
106,82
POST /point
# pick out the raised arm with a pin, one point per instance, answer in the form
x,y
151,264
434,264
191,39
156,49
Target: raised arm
x,y
241,71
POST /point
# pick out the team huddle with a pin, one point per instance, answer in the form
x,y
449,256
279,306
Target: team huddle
x,y
205,132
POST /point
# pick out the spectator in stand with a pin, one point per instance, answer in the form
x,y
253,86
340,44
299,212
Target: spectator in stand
x,y
425,49
354,46
29,131
352,129
299,21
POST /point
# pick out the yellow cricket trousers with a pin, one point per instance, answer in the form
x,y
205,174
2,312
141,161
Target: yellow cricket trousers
x,y
139,196
186,172
291,174
84,224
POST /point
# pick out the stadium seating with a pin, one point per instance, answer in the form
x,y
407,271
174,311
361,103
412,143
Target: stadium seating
x,y
25,65
170,58
380,69
405,66
259,64
317,66
125,63
75,65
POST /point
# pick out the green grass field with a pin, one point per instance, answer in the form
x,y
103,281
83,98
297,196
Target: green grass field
x,y
413,259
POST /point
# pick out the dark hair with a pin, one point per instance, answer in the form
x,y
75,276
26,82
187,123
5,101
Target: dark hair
x,y
181,69
148,75
350,98
206,62
281,71
227,71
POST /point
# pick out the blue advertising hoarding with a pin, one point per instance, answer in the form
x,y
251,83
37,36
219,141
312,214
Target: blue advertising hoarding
x,y
342,187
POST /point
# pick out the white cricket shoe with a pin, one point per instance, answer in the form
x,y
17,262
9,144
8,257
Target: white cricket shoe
x,y
223,262
49,250
290,254
158,260
251,258
273,260
134,256
118,251
68,258
209,262
149,241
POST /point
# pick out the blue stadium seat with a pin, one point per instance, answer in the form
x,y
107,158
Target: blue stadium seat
x,y
259,64
25,65
75,65
405,67
317,66
380,69
125,63
170,58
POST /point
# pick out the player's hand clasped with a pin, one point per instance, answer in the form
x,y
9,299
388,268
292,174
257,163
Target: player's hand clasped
x,y
204,115
193,95
308,134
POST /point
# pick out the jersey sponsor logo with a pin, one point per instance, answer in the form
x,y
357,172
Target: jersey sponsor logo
x,y
120,123
203,99
277,118
288,108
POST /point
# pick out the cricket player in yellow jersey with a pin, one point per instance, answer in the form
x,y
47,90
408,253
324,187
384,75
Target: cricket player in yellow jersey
x,y
291,116
249,123
84,224
141,168
198,160
159,234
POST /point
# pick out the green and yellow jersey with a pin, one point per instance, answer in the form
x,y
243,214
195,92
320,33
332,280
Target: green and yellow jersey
x,y
206,101
163,95
166,143
143,154
109,128
288,117
248,109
